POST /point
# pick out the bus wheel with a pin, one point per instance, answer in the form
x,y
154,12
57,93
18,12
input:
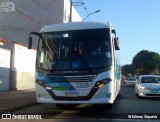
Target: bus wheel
x,y
108,106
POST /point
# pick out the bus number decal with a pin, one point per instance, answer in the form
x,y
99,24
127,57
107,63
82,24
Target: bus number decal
x,y
83,85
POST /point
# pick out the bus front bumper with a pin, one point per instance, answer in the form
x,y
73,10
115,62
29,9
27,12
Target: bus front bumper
x,y
43,96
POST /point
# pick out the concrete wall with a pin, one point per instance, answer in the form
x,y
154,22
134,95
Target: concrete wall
x,y
23,67
4,69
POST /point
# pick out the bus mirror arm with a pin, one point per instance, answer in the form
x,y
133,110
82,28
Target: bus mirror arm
x,y
30,39
35,33
113,31
30,43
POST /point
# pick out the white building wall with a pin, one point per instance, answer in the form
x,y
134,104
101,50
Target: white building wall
x,y
23,67
75,14
4,69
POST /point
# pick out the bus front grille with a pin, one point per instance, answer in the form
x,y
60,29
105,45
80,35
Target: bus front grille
x,y
58,79
86,78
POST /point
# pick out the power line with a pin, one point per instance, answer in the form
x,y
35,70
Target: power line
x,y
77,3
84,7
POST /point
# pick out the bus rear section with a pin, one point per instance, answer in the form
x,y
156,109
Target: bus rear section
x,y
77,63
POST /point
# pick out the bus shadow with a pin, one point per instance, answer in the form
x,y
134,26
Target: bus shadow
x,y
85,107
150,98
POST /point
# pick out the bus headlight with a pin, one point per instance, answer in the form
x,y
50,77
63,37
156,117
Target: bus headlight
x,y
43,84
101,83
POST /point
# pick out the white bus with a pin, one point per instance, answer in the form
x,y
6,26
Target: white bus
x,y
77,63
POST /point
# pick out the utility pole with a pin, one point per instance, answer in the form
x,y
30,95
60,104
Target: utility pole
x,y
73,4
70,18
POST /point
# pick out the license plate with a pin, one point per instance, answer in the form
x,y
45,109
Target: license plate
x,y
71,94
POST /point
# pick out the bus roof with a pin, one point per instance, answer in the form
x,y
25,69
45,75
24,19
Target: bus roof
x,y
74,26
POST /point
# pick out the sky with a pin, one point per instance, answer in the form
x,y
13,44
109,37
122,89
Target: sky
x,y
137,23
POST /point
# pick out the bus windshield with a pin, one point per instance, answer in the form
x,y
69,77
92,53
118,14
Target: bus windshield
x,y
74,50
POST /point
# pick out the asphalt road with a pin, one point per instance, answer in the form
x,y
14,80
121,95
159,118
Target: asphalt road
x,y
127,106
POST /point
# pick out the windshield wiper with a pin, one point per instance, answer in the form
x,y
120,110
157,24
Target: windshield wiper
x,y
83,61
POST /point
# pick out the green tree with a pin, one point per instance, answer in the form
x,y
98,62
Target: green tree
x,y
127,69
146,62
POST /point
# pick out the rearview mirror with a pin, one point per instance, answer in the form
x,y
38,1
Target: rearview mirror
x,y
30,43
30,39
116,44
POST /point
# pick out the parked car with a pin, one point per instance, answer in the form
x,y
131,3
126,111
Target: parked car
x,y
148,86
131,81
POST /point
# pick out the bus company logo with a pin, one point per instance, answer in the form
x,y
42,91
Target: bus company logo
x,y
7,6
6,116
21,116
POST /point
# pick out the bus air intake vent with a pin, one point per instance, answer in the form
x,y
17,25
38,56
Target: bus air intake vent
x,y
86,78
